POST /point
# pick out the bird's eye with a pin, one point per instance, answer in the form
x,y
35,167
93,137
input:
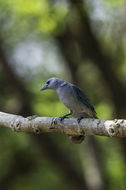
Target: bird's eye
x,y
48,82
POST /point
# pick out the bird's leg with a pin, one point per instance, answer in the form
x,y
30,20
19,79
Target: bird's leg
x,y
65,116
80,118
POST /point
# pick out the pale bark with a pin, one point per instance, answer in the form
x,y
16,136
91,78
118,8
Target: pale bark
x,y
35,124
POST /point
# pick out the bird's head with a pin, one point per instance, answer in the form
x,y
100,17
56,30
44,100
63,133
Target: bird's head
x,y
51,83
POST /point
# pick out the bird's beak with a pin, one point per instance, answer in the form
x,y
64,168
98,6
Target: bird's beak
x,y
43,88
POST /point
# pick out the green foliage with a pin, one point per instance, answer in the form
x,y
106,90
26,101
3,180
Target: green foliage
x,y
114,3
40,16
104,111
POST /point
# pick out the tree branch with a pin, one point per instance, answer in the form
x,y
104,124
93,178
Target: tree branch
x,y
35,124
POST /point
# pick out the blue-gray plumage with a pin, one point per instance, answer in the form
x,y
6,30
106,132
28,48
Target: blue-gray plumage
x,y
74,99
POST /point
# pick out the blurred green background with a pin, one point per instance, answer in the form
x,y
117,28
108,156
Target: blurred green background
x,y
83,42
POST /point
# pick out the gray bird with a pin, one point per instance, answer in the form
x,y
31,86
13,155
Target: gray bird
x,y
74,99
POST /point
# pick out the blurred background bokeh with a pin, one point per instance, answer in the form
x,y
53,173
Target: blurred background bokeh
x,y
83,42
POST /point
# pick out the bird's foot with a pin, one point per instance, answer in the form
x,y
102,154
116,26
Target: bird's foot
x,y
79,119
62,118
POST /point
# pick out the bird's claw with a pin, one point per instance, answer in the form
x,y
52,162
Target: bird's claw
x,y
62,118
79,119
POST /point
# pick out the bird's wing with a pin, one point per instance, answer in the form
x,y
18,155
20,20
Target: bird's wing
x,y
82,97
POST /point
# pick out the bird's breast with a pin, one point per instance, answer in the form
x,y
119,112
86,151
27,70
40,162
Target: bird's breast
x,y
69,100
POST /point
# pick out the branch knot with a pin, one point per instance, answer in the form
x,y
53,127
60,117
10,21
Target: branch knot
x,y
15,125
